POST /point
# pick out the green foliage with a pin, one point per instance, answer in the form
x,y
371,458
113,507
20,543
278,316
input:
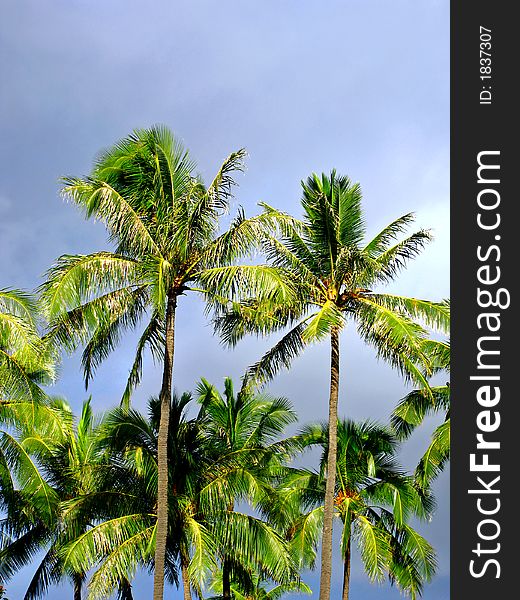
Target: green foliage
x,y
334,277
374,500
49,459
164,223
26,360
418,404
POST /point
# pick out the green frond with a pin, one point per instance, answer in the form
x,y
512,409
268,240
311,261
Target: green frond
x,y
254,540
19,381
213,201
47,573
20,552
34,487
396,338
71,281
435,315
242,239
47,418
278,357
374,545
287,254
379,243
351,225
121,562
259,280
153,337
419,550
123,314
415,406
18,303
436,456
392,261
203,551
327,319
306,533
255,317
438,352
126,537
99,199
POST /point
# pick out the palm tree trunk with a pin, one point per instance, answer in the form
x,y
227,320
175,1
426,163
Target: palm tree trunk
x,y
162,452
77,581
346,572
328,512
125,590
226,580
185,580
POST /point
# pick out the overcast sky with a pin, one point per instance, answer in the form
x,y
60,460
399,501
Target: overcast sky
x,y
359,85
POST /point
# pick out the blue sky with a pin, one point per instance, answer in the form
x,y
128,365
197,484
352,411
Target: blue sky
x,y
359,85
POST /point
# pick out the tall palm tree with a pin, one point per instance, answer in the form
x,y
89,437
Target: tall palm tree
x,y
415,406
164,223
337,275
53,461
374,500
243,432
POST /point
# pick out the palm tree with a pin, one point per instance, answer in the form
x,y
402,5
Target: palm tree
x,y
200,520
374,501
242,432
165,225
53,460
336,273
415,406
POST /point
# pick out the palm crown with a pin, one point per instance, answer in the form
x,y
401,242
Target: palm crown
x,y
374,500
164,223
337,274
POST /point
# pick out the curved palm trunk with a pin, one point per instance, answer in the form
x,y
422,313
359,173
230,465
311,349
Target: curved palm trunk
x,y
186,588
346,572
162,452
125,590
328,513
226,580
77,582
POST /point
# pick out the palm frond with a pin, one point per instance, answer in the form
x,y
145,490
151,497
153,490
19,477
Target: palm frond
x,y
279,356
415,406
152,336
71,281
374,545
436,456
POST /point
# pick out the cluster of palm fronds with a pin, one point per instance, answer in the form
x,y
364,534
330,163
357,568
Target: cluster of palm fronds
x,y
81,497
104,499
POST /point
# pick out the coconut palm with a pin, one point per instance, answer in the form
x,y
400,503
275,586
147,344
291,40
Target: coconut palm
x,y
374,501
53,460
201,521
164,223
337,275
415,406
243,432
